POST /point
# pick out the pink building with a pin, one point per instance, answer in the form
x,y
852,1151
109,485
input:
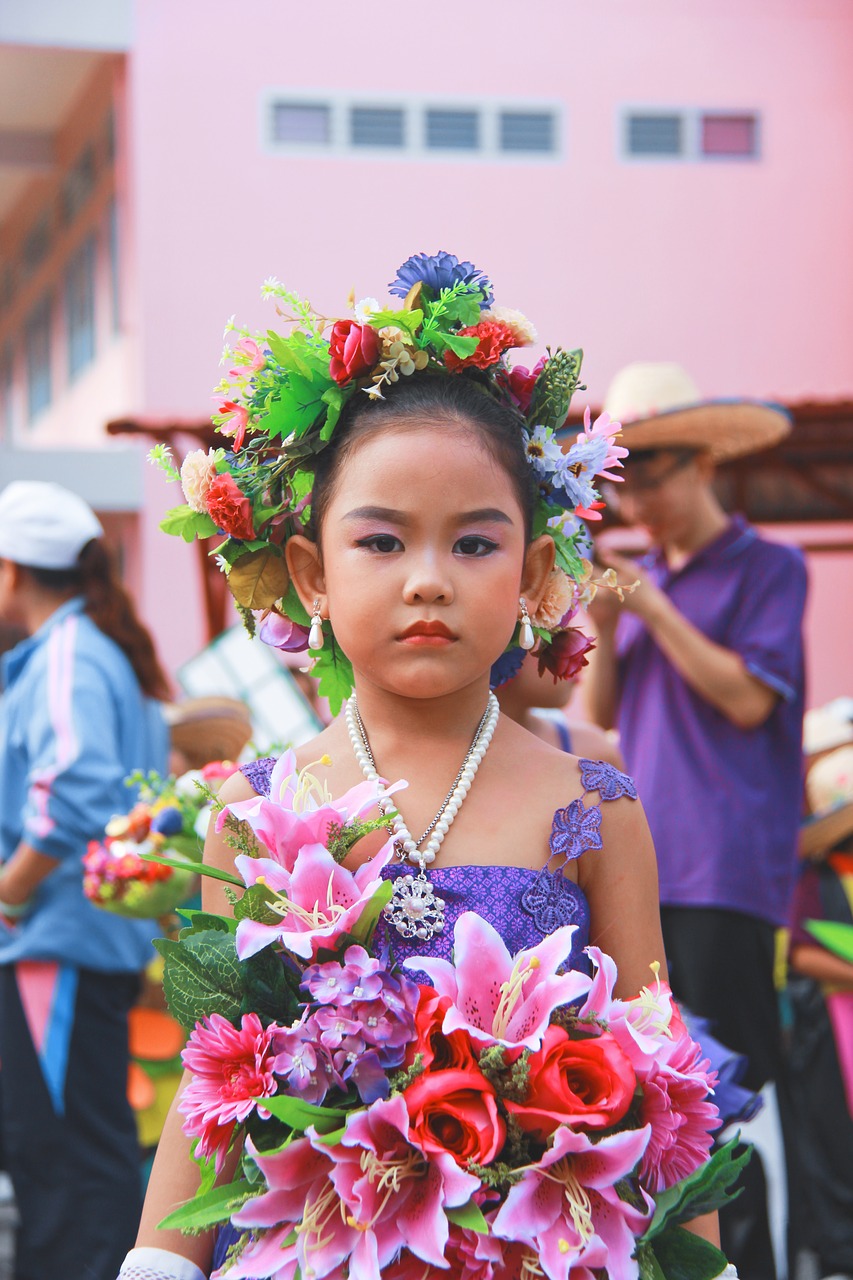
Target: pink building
x,y
654,181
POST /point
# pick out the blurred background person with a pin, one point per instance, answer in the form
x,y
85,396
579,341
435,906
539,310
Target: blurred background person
x,y
820,995
701,670
78,714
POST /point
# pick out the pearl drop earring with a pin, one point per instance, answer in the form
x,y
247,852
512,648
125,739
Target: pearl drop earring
x,y
315,635
526,638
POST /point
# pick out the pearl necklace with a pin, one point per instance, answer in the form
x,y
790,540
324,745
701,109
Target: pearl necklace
x,y
415,910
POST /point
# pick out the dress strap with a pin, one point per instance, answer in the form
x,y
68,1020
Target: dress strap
x,y
258,774
577,828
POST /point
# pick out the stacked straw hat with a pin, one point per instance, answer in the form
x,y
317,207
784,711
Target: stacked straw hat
x,y
208,729
660,407
828,743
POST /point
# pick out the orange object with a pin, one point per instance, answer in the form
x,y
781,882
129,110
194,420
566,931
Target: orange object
x,y
141,1093
155,1036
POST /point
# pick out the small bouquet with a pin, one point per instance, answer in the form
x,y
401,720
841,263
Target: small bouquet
x,y
170,816
501,1120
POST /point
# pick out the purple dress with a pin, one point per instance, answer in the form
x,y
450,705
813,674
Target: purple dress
x,y
523,904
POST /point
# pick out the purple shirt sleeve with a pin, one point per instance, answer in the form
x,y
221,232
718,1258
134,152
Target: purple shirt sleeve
x,y
766,630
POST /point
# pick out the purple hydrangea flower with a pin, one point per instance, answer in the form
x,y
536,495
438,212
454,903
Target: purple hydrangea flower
x,y
440,271
507,666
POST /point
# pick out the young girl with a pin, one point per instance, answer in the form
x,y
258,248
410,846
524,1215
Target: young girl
x,y
420,564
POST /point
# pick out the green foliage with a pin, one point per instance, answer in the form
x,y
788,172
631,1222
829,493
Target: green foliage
x,y
709,1188
554,388
681,1255
200,868
210,1209
267,990
469,1216
340,840
457,305
299,1115
408,321
362,930
185,523
202,921
333,669
254,905
201,976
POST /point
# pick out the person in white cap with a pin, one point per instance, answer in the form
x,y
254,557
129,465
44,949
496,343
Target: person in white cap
x,y
701,670
78,714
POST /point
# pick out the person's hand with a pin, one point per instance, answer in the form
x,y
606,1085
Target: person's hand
x,y
645,598
604,608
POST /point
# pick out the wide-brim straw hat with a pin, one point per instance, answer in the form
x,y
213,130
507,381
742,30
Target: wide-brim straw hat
x,y
659,407
829,792
208,729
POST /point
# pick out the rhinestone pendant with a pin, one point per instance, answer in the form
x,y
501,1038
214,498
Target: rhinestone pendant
x,y
415,910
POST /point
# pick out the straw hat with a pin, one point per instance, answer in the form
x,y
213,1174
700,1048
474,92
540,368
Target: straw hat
x,y
825,728
829,791
207,729
659,407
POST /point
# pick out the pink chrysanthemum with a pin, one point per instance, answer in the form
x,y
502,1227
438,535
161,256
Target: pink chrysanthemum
x,y
677,1106
603,426
231,1067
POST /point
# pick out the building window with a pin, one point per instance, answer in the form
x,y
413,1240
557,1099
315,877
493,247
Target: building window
x,y
527,131
114,245
729,135
38,346
37,244
655,135
377,127
452,130
78,185
306,122
80,307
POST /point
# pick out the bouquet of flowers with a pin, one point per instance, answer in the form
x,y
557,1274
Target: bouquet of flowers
x,y
494,1118
170,816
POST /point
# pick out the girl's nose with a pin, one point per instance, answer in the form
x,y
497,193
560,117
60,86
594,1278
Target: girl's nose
x,y
427,583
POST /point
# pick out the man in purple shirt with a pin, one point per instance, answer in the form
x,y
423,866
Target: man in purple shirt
x,y
701,670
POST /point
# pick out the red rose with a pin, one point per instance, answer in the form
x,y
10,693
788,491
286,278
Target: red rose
x,y
439,1051
455,1111
353,350
520,382
586,1083
495,337
229,507
566,654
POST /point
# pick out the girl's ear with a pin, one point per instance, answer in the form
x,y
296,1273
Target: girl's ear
x,y
538,563
306,572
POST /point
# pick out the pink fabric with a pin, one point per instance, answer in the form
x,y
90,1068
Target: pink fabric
x,y
60,675
840,1006
37,988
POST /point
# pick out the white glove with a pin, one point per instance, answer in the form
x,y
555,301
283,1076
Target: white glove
x,y
730,1273
158,1264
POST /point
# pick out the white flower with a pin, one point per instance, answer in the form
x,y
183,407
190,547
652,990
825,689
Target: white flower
x,y
364,309
523,331
185,786
271,287
543,452
198,470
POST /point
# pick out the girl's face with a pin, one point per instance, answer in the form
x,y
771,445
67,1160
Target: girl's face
x,y
423,559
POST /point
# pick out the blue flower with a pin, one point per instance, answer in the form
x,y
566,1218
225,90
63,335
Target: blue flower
x,y
440,271
507,666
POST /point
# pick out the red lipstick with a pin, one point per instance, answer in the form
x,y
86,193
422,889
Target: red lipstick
x,y
433,634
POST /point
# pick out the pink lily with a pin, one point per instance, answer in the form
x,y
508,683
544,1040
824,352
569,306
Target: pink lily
x,y
254,358
498,998
319,901
567,1209
235,422
603,426
392,1193
298,810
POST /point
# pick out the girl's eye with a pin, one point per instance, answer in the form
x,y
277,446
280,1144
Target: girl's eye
x,y
475,546
382,542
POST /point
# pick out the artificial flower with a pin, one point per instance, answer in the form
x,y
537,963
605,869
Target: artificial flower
x,y
456,1111
586,1083
681,1118
249,357
604,428
543,452
557,601
523,332
438,1051
439,271
232,1067
520,381
564,657
198,471
229,508
234,422
364,309
280,632
353,350
498,998
506,667
493,339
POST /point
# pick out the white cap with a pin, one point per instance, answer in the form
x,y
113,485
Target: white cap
x,y
43,525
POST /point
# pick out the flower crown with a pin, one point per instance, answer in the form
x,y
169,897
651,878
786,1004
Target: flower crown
x,y
280,405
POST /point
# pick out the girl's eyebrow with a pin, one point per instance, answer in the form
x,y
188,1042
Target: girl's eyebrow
x,y
482,514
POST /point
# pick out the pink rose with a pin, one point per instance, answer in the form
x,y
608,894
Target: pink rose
x,y
520,382
229,507
353,350
455,1112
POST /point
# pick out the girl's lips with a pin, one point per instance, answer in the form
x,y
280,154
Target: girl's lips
x,y
421,639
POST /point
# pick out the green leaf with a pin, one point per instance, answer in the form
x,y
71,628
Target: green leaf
x,y
567,557
188,524
201,920
461,346
299,354
363,929
408,321
335,398
297,407
470,1217
332,1137
200,868
202,975
834,935
209,1209
294,608
254,905
682,1255
299,1115
259,579
707,1189
266,989
333,669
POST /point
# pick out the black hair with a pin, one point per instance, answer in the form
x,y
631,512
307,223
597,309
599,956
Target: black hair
x,y
111,609
463,400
